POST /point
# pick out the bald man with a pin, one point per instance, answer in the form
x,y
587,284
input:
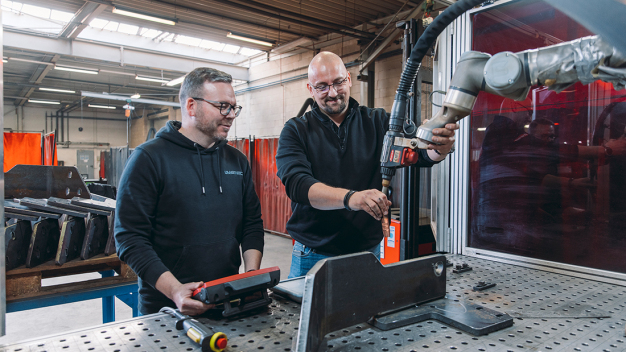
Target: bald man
x,y
328,160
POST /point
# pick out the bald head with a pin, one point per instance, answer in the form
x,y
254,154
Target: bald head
x,y
329,83
324,63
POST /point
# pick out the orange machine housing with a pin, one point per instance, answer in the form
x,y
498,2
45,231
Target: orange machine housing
x,y
390,246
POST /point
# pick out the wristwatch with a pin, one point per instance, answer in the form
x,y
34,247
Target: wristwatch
x,y
608,151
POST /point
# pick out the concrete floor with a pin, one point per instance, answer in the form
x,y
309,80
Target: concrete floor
x,y
34,323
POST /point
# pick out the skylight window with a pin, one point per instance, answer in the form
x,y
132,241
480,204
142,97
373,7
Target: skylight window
x,y
208,44
36,11
98,23
249,52
111,26
128,29
169,37
61,16
11,5
149,33
233,49
183,39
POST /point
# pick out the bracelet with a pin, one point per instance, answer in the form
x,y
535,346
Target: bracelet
x,y
346,200
450,152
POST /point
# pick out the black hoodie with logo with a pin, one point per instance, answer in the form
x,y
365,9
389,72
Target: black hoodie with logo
x,y
185,209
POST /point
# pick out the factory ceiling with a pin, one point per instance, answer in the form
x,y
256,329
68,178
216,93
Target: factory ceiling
x,y
141,46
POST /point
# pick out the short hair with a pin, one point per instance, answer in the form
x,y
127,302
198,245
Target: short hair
x,y
542,121
194,82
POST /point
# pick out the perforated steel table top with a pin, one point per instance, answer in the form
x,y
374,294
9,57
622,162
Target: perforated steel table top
x,y
554,312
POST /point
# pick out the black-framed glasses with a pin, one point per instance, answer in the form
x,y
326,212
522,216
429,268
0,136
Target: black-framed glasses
x,y
326,87
224,107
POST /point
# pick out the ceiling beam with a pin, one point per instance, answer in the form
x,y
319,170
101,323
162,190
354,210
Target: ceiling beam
x,y
103,52
269,11
126,99
36,79
81,19
395,33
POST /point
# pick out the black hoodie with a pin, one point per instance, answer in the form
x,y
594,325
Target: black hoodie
x,y
311,149
185,209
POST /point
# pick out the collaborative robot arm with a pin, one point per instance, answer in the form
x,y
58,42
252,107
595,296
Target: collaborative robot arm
x,y
511,75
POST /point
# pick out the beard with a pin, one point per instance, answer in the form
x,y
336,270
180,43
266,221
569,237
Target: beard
x,y
209,127
341,98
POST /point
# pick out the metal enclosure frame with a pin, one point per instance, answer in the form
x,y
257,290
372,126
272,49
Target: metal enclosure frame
x,y
451,177
3,298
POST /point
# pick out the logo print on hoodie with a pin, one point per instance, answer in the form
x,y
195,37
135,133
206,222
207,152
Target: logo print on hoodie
x,y
240,173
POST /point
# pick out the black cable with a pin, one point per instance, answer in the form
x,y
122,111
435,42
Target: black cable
x,y
426,40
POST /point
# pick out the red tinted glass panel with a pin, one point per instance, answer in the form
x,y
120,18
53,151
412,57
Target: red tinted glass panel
x,y
542,184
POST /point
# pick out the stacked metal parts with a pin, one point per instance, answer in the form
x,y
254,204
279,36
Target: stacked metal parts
x,y
41,224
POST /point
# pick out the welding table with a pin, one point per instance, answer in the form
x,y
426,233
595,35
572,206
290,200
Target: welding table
x,y
553,313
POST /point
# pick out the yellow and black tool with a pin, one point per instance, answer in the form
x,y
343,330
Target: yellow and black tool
x,y
198,332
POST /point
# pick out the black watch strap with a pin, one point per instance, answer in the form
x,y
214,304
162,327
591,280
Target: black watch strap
x,y
346,200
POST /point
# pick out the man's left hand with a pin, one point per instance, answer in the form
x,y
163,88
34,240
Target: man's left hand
x,y
444,137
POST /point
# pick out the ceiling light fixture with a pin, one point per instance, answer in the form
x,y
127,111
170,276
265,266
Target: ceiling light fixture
x,y
175,81
118,73
135,96
151,79
57,90
44,101
249,39
101,106
79,70
133,13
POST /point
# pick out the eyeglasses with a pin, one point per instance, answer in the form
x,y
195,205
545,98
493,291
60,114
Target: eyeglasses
x,y
326,87
225,108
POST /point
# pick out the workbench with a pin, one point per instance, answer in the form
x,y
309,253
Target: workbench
x,y
553,312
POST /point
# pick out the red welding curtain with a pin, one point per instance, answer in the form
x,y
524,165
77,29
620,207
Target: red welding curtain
x,y
275,205
49,150
21,148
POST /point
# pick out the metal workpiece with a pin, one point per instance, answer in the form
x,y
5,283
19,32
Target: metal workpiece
x,y
42,204
14,209
521,292
349,289
38,181
67,204
468,317
107,205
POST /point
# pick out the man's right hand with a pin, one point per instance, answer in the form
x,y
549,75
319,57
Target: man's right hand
x,y
372,201
181,294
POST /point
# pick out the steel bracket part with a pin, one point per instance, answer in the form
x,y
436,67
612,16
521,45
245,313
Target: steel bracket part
x,y
41,204
469,317
43,242
70,243
343,291
482,285
96,236
13,209
67,204
38,181
110,246
17,238
458,269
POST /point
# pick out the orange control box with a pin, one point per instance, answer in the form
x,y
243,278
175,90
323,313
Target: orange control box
x,y
390,246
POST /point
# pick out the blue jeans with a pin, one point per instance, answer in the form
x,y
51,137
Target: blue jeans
x,y
303,258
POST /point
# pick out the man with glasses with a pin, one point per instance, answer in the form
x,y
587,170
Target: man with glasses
x,y
186,202
328,161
